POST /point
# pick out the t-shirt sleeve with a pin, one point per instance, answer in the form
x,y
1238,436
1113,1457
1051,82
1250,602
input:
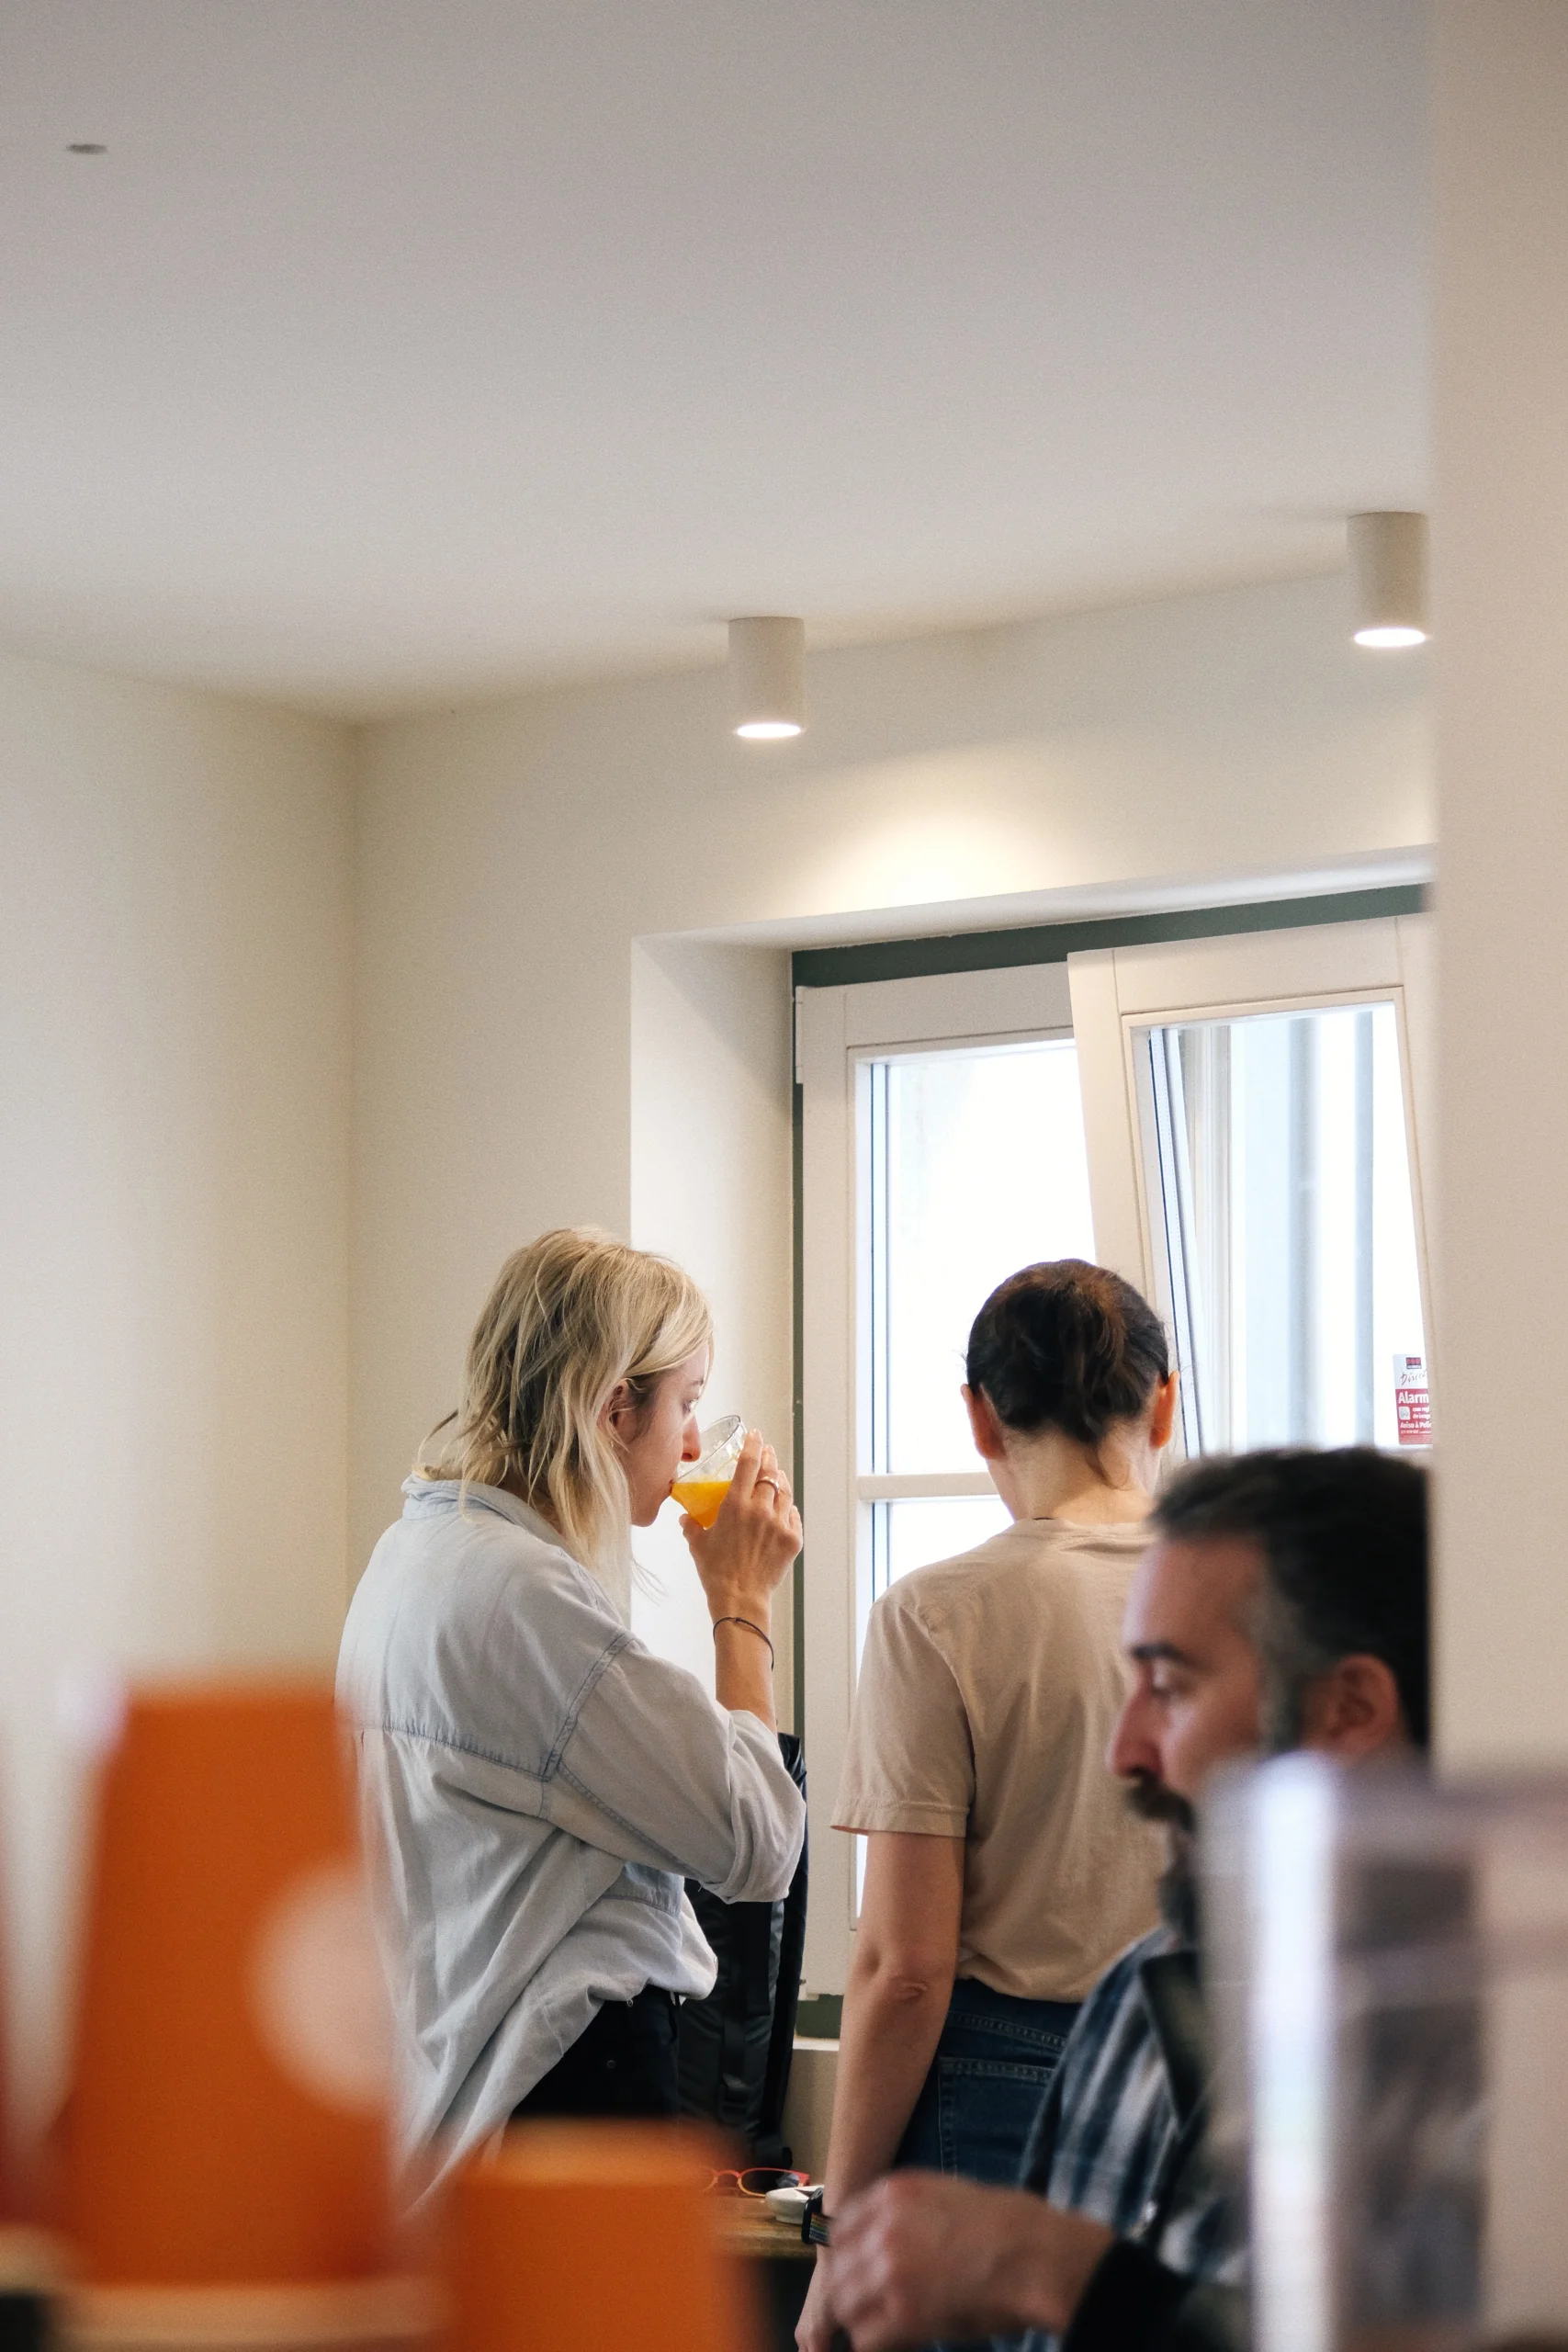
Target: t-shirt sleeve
x,y
910,1761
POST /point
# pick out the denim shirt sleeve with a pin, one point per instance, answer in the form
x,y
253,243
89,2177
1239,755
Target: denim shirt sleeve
x,y
496,1649
654,1771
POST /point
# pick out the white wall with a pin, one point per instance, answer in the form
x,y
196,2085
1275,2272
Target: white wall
x,y
510,858
710,1186
1501,549
174,1071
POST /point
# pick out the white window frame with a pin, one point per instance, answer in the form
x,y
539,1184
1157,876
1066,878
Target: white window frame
x,y
1119,992
1101,999
838,1033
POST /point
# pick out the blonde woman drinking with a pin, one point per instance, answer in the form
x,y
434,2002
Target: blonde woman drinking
x,y
535,1781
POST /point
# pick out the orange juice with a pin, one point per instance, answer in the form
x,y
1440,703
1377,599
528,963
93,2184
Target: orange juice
x,y
701,1496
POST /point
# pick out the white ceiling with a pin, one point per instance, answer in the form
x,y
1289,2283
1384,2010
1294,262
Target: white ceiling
x,y
405,351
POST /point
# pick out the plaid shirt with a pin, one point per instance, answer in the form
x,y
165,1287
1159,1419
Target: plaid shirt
x,y
1120,2135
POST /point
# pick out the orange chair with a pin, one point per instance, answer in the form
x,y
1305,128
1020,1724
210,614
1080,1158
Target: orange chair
x,y
592,2237
226,2130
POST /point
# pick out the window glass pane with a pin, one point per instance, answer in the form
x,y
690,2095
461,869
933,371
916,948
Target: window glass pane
x,y
1278,1156
913,1534
977,1167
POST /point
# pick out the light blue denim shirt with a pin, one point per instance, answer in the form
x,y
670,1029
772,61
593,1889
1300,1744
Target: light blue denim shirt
x,y
534,1786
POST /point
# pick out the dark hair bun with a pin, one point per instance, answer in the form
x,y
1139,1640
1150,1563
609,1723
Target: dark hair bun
x,y
1069,1346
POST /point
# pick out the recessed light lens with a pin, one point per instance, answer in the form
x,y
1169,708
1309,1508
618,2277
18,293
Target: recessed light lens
x,y
767,730
1391,637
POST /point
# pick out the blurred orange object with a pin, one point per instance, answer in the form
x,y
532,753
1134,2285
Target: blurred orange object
x,y
591,2237
227,2120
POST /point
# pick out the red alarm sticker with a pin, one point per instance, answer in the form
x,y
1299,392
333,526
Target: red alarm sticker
x,y
1412,1401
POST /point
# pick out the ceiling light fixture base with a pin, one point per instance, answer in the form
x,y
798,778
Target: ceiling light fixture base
x,y
1388,575
767,676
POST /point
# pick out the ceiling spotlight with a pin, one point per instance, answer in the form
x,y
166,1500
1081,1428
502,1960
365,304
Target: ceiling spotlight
x,y
767,676
1388,572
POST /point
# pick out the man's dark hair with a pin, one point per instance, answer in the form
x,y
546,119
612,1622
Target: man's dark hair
x,y
1342,1537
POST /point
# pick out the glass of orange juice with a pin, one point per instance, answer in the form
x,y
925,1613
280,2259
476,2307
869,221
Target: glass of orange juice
x,y
703,1485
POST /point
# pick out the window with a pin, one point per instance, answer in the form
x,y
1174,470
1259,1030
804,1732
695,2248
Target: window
x,y
944,1147
971,1160
1230,1123
1285,1249
1251,1108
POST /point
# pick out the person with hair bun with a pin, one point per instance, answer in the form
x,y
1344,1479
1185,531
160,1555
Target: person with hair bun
x,y
1004,1872
535,1782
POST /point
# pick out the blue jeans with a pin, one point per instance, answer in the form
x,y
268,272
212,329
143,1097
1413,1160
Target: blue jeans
x,y
992,2068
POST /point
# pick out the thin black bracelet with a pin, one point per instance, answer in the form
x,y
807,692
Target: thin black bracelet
x,y
773,1657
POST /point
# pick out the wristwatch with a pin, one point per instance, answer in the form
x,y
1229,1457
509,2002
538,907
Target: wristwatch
x,y
815,2224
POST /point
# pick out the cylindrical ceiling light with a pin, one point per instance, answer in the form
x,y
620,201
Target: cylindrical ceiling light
x,y
1388,572
767,676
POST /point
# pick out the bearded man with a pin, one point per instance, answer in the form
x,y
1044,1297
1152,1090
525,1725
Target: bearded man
x,y
1283,1604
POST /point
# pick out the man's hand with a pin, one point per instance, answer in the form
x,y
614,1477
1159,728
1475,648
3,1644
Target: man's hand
x,y
814,2331
918,2257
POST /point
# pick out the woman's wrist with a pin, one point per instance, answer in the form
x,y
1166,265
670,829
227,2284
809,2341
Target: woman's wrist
x,y
739,1600
750,1626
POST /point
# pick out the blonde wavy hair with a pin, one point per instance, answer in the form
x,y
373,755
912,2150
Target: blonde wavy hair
x,y
571,1317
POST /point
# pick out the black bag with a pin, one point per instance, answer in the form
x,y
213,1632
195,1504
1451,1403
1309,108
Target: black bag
x,y
735,2047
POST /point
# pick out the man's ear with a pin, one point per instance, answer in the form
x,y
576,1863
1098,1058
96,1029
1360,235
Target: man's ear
x,y
984,1426
1353,1709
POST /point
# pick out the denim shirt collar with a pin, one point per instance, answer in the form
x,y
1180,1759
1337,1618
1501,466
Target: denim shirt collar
x,y
432,1497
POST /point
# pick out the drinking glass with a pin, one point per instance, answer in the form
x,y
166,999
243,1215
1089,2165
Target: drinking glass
x,y
703,1485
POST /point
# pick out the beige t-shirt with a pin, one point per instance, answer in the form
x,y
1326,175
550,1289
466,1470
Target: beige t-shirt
x,y
987,1695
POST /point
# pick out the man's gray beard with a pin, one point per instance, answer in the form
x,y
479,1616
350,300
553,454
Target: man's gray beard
x,y
1179,1884
1151,1801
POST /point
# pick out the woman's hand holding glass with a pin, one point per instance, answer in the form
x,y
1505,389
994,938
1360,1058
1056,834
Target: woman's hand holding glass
x,y
746,1554
742,1559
